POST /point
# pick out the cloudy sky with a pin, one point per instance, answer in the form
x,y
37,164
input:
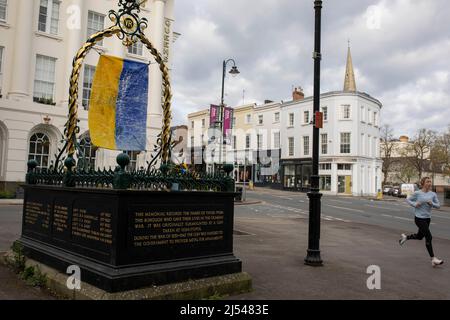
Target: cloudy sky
x,y
400,50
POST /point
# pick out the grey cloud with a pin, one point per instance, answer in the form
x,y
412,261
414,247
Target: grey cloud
x,y
272,43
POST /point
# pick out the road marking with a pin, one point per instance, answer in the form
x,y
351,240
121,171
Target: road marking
x,y
395,217
344,208
391,209
340,201
283,197
435,215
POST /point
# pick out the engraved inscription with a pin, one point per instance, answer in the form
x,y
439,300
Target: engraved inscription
x,y
92,226
177,227
37,214
60,218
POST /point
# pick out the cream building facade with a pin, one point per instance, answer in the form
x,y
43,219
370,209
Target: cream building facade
x,y
274,141
39,39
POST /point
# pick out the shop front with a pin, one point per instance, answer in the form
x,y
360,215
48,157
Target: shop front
x,y
267,167
296,174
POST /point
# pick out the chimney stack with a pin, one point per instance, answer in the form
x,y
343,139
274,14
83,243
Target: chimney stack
x,y
298,94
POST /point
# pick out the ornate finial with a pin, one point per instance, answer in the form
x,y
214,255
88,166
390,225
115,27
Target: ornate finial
x,y
127,19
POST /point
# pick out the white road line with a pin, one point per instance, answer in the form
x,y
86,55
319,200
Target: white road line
x,y
344,208
435,215
395,217
340,201
283,197
391,209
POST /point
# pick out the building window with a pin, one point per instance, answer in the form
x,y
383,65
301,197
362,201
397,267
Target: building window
x,y
1,67
3,6
132,166
324,143
369,147
234,142
374,146
345,142
325,183
89,151
375,118
88,78
260,119
247,141
291,120
363,114
368,117
325,166
259,140
39,149
276,117
192,124
363,145
248,119
202,139
44,79
346,112
291,146
306,117
325,113
233,123
49,16
192,141
136,48
203,123
96,23
344,166
276,140
306,145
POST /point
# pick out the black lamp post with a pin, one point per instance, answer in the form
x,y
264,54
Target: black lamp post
x,y
313,256
234,71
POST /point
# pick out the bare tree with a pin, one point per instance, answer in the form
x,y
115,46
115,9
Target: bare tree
x,y
440,153
419,150
406,171
388,149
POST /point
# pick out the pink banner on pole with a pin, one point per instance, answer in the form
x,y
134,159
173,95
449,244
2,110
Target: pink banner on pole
x,y
227,124
213,114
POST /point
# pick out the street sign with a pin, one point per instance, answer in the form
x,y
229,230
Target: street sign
x,y
319,120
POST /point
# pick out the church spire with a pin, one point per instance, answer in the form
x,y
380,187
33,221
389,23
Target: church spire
x,y
349,82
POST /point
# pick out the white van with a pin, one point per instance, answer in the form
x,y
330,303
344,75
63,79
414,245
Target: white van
x,y
407,189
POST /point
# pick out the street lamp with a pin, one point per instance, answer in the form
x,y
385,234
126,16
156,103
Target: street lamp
x,y
313,254
234,72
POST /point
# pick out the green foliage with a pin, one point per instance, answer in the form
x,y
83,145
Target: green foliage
x,y
18,261
216,296
7,195
33,276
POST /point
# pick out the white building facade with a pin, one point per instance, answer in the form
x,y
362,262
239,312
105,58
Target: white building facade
x,y
349,145
39,39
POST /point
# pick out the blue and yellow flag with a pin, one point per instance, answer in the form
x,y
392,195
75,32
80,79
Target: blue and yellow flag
x,y
118,104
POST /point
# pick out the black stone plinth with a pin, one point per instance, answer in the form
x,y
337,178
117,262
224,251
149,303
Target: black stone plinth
x,y
124,240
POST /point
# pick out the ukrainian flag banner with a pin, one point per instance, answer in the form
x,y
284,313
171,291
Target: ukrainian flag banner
x,y
118,104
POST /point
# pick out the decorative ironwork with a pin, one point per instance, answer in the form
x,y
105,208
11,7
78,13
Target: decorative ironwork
x,y
167,177
127,19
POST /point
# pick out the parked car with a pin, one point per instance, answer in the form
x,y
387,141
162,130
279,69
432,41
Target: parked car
x,y
407,189
396,191
387,190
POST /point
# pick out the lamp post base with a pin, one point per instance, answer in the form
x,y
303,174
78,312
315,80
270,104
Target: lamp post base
x,y
313,258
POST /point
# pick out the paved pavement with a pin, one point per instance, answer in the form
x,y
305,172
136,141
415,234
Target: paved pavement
x,y
356,233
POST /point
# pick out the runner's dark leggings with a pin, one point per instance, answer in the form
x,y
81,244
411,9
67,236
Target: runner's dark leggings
x,y
424,231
